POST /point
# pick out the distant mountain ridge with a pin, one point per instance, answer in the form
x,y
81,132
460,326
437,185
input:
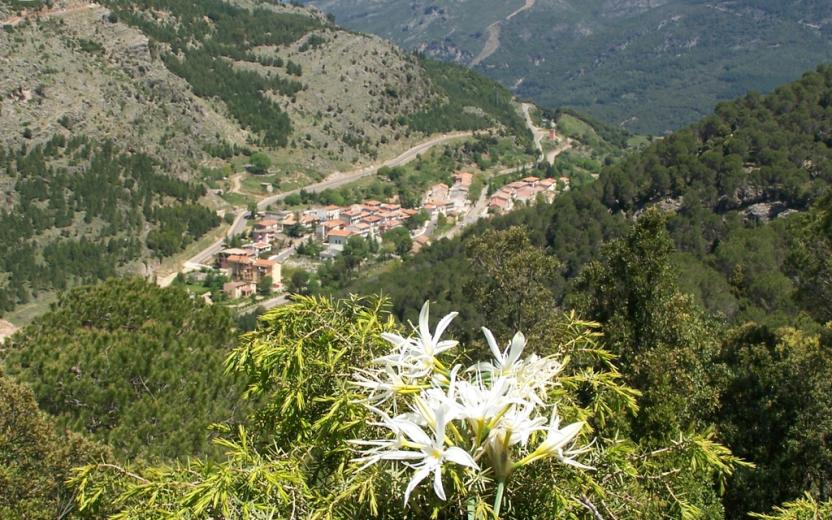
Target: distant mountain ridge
x,y
650,66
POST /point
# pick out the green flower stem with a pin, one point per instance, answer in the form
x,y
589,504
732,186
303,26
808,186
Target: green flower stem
x,y
472,508
498,500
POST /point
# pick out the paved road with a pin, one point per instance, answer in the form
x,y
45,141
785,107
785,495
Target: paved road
x,y
477,211
337,179
539,135
334,180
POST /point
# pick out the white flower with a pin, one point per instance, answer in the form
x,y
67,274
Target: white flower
x,y
418,355
505,361
493,410
534,376
434,454
377,449
416,445
483,406
517,425
558,444
383,384
435,401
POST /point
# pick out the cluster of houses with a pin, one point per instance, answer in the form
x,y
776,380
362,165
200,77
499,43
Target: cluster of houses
x,y
524,191
449,200
247,269
248,265
368,220
334,224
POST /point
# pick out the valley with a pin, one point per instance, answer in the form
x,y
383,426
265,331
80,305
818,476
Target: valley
x,y
256,264
104,71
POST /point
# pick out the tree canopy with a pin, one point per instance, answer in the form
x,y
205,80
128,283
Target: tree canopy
x,y
36,458
296,456
132,365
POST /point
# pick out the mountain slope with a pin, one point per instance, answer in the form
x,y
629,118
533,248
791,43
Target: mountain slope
x,y
173,79
101,105
650,66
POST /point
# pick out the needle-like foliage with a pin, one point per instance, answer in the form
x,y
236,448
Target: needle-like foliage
x,y
321,445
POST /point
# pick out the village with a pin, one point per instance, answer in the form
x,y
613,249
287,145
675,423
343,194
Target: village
x,y
253,264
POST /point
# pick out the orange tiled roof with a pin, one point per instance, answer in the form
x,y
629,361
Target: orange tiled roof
x,y
239,259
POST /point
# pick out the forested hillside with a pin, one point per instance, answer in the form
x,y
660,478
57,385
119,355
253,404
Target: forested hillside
x,y
731,185
649,66
79,210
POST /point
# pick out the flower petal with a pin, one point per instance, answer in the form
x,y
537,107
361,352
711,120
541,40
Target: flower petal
x,y
424,321
414,432
419,476
393,339
443,324
401,455
442,346
437,483
567,434
518,343
492,344
573,462
461,457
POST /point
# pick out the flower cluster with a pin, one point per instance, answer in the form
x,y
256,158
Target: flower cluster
x,y
491,417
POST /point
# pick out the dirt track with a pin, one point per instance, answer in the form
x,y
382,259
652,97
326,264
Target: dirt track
x,y
492,43
46,13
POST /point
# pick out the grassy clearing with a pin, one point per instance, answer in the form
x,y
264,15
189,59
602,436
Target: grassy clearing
x,y
22,315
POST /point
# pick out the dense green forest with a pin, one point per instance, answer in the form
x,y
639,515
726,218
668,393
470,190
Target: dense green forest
x,y
77,210
462,90
37,457
124,362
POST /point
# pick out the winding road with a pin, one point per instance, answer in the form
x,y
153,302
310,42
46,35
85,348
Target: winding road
x,y
334,180
539,135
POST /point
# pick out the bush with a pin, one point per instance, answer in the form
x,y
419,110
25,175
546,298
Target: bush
x,y
260,163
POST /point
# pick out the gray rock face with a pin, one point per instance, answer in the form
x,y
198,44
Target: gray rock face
x,y
763,212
